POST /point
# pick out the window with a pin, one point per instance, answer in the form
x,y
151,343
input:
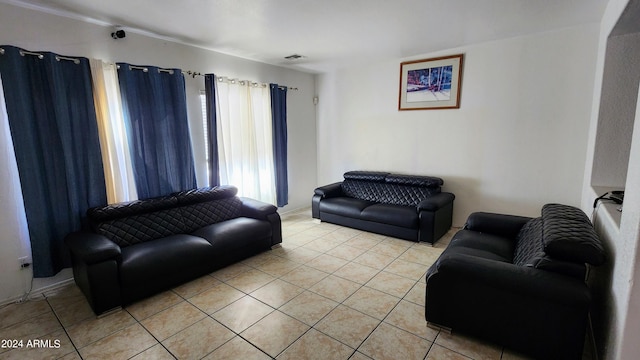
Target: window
x,y
249,138
205,128
244,138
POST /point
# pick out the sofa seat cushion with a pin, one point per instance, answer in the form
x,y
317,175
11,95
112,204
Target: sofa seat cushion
x,y
237,233
156,259
398,215
344,206
482,245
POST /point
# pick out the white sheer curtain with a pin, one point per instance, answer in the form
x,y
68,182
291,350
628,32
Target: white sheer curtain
x,y
245,142
15,232
118,171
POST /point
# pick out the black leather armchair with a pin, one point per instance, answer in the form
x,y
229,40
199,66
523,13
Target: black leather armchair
x,y
518,281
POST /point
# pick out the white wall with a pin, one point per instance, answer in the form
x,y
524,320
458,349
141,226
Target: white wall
x,y
36,31
15,236
617,106
616,314
518,140
628,345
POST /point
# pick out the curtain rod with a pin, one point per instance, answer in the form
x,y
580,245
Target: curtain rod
x,y
41,56
251,83
75,61
25,52
146,69
193,74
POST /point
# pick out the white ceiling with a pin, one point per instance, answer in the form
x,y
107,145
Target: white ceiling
x,y
329,33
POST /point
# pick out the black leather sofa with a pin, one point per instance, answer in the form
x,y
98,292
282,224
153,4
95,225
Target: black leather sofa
x,y
140,248
408,207
518,281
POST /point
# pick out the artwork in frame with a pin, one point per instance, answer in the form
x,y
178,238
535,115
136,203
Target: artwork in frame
x,y
430,83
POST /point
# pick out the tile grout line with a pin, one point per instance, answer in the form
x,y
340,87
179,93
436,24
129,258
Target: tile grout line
x,y
151,334
432,343
387,315
394,307
207,315
64,328
362,286
254,266
340,303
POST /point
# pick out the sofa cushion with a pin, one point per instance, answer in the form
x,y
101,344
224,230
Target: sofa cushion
x,y
236,233
414,180
387,193
136,207
398,215
375,176
572,240
568,235
387,188
151,261
530,252
544,262
482,245
344,206
529,243
201,214
560,211
204,194
135,229
139,221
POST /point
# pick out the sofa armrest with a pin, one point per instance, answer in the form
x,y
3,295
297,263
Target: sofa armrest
x,y
92,248
533,311
435,202
256,209
506,277
496,224
331,190
260,210
96,262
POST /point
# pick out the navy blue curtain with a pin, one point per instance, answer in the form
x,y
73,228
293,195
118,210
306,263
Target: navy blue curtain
x,y
279,116
212,148
155,114
55,136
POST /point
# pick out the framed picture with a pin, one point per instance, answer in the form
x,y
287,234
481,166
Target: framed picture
x,y
430,83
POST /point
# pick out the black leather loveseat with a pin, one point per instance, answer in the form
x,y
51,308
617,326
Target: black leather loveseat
x,y
140,248
517,281
404,206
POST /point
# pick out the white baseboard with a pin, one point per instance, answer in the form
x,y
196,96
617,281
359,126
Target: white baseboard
x,y
42,285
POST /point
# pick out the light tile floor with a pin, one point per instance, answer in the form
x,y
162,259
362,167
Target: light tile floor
x,y
327,292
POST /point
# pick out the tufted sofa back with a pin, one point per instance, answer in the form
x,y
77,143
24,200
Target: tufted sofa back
x,y
561,240
179,213
396,189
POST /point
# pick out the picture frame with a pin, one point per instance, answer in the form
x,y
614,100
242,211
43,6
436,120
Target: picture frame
x,y
430,84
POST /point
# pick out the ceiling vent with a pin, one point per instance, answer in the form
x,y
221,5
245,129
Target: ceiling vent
x,y
294,57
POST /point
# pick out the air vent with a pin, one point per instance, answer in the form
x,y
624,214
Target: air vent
x,y
294,57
